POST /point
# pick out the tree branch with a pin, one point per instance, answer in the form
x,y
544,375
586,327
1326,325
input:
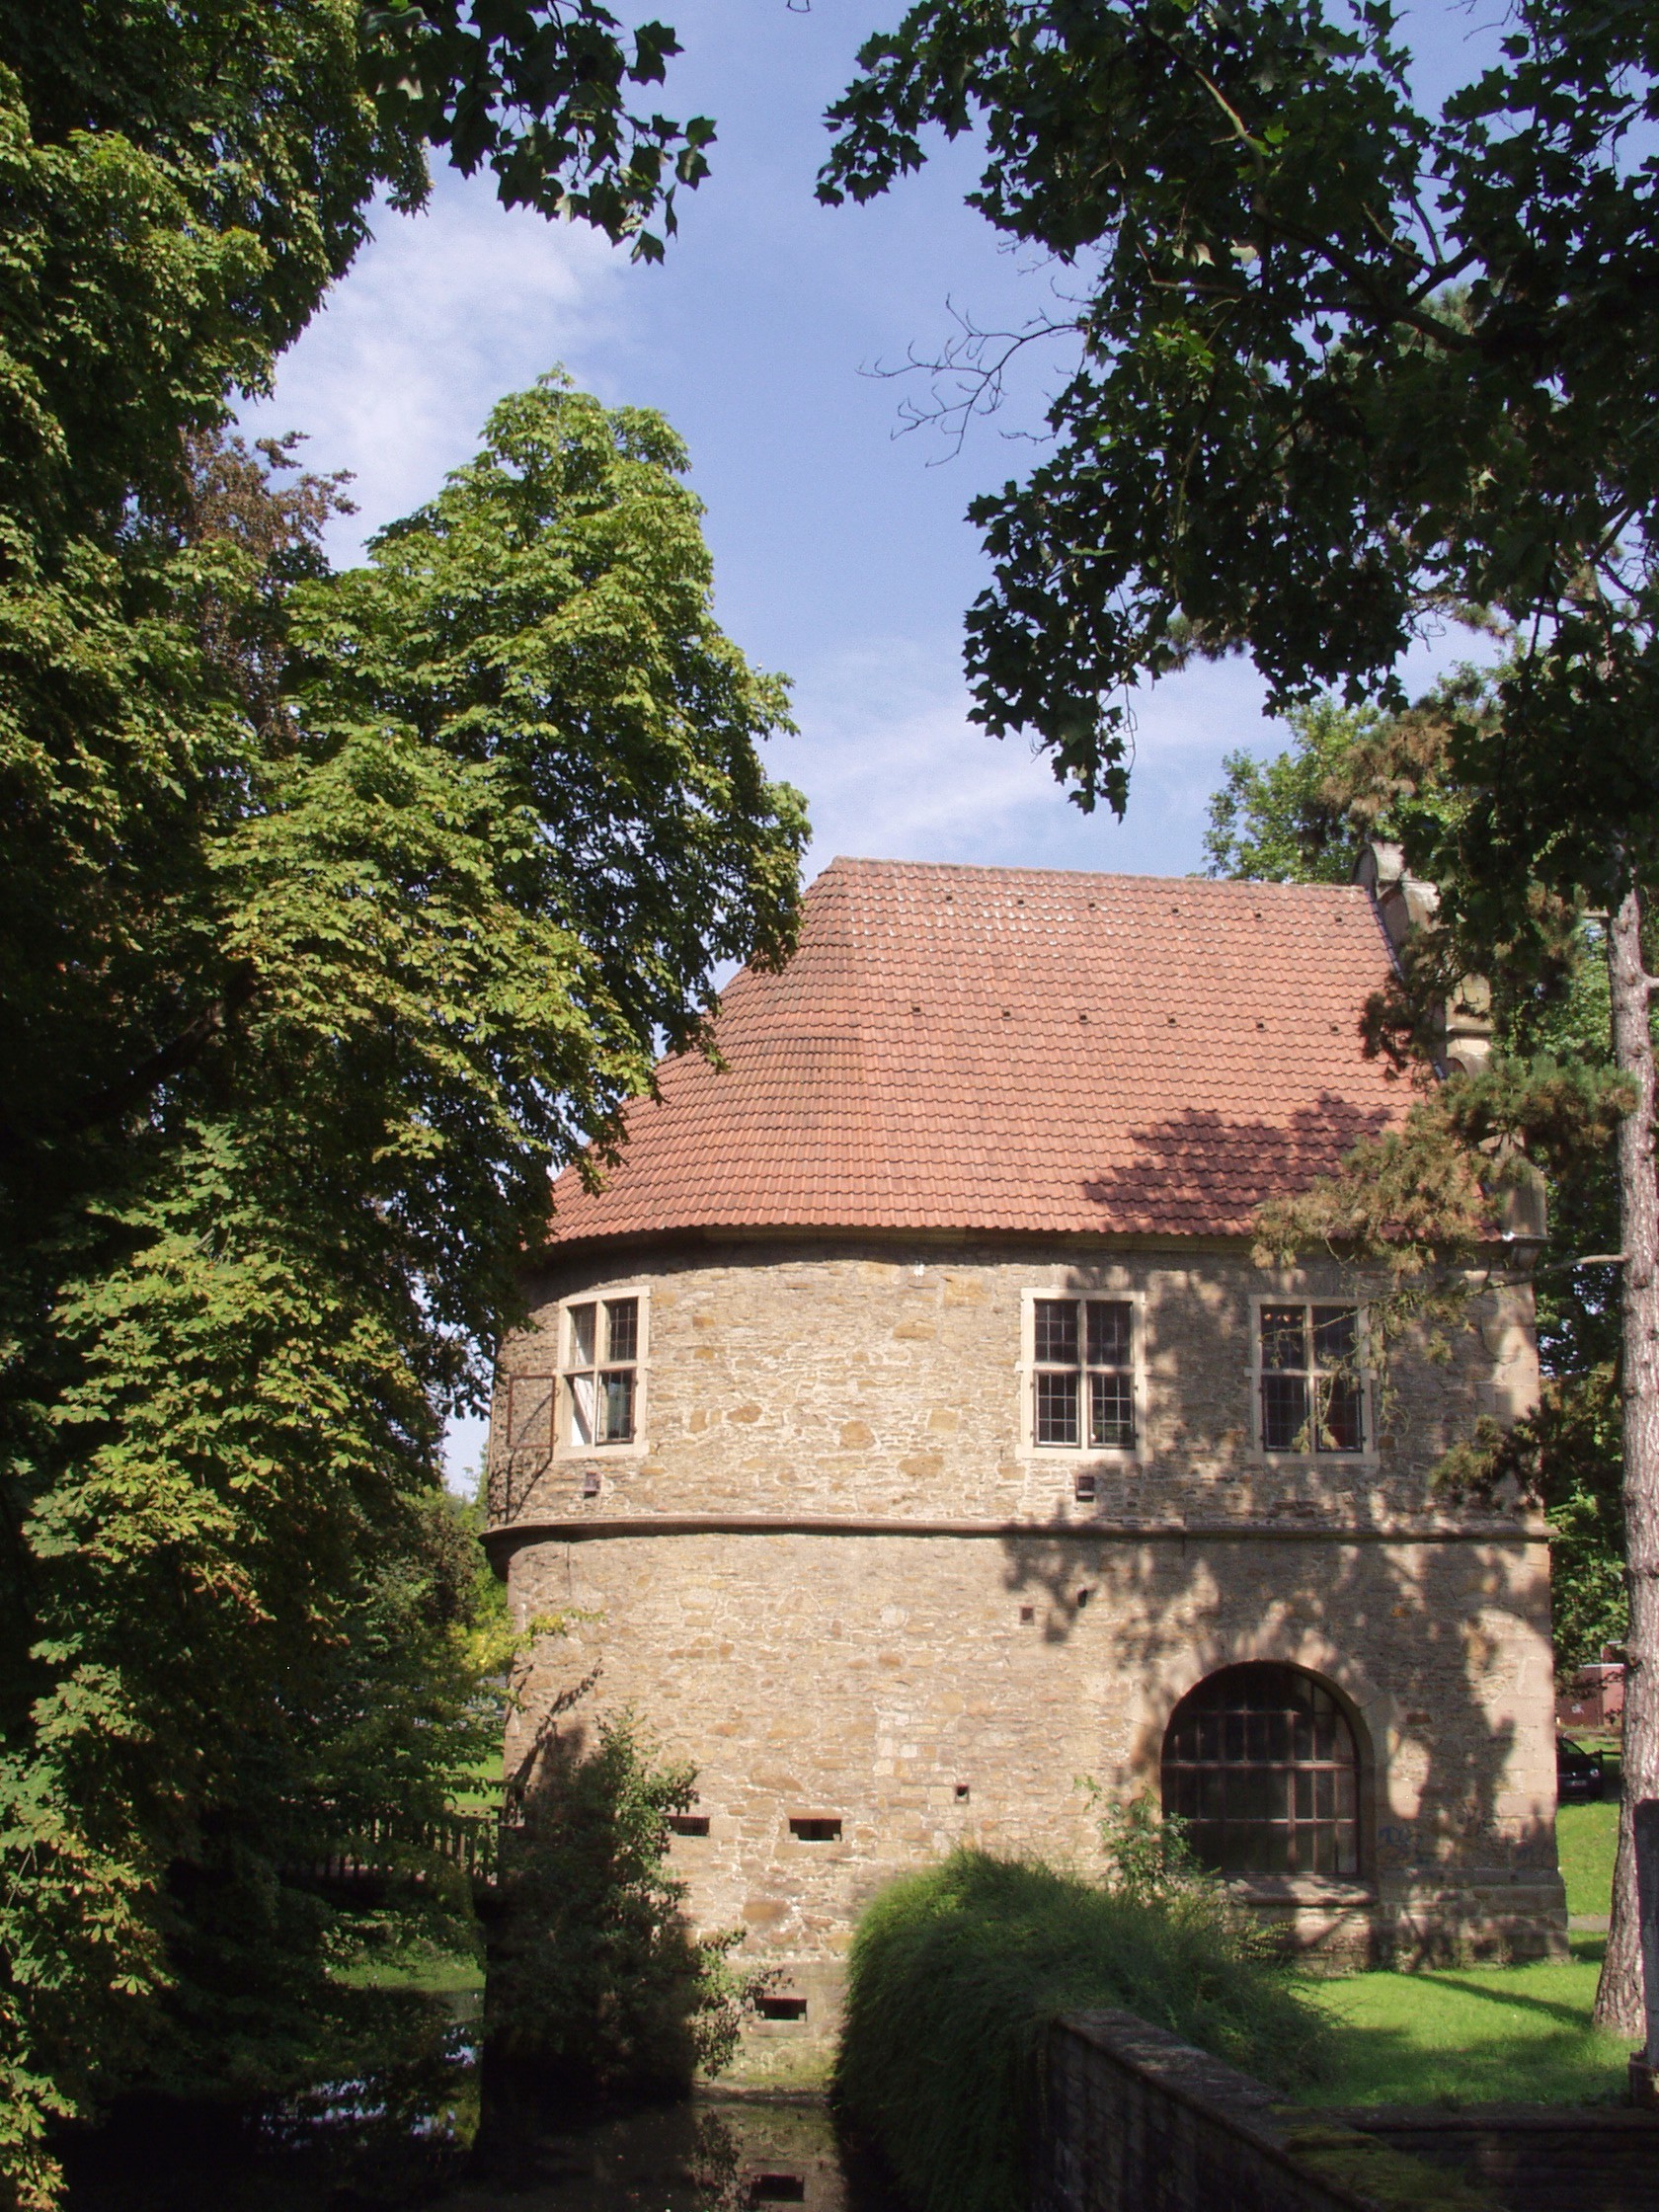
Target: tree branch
x,y
180,1052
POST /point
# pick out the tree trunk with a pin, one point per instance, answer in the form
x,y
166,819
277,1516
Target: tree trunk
x,y
1618,1998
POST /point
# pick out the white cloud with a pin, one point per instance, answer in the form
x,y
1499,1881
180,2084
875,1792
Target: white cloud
x,y
440,315
892,769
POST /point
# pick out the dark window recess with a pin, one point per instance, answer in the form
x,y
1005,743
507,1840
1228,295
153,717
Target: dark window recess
x,y
1084,1381
1083,1597
1056,1409
1056,1330
590,1482
781,2007
1028,1613
1312,1396
1085,1487
689,1824
817,1829
962,1793
1260,1763
777,2188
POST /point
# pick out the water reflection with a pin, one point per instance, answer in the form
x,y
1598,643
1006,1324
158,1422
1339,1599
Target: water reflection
x,y
721,2153
404,2148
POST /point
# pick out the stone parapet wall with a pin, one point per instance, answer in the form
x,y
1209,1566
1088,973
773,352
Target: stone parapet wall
x,y
1595,2158
1133,2120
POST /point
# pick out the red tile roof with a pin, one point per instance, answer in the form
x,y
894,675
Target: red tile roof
x,y
1016,1048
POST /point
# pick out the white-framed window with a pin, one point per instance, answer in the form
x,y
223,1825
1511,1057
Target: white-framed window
x,y
1081,1375
601,1372
1313,1387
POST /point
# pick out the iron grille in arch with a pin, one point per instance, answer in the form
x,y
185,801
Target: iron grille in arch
x,y
1260,1763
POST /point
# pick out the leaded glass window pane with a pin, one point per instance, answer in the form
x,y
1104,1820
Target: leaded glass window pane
x,y
1284,1413
1261,1764
1056,1409
1337,1337
1057,1332
1341,1423
581,1336
1283,1336
616,1399
622,1329
1112,1412
1109,1332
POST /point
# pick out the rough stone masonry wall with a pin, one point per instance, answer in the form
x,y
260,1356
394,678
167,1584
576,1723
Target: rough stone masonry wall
x,y
794,1375
833,1579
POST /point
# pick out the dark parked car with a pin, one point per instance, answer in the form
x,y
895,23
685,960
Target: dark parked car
x,y
1578,1773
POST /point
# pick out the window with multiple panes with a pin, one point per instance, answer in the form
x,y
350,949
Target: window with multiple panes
x,y
601,1371
1083,1372
1311,1378
1259,1762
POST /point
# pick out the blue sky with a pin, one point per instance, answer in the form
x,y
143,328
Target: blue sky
x,y
841,552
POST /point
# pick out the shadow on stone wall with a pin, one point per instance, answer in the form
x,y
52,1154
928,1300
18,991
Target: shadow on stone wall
x,y
1430,1647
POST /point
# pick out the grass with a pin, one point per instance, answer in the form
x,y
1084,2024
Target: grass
x,y
955,1973
1480,2034
1585,1837
1472,2035
423,1968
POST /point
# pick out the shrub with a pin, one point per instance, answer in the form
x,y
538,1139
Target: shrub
x,y
596,1981
955,1974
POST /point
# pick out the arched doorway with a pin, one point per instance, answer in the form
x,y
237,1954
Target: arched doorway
x,y
1260,1763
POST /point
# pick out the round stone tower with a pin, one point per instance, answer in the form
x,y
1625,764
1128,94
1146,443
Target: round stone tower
x,y
909,1431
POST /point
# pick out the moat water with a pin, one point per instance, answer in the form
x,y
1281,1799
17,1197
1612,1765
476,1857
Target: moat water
x,y
365,2147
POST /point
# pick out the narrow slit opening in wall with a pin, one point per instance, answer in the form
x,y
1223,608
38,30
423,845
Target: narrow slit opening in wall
x,y
1085,1487
1028,1613
962,1793
689,1824
778,2188
816,1828
781,2007
1083,1597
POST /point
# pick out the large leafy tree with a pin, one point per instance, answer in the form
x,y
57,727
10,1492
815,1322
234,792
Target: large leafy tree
x,y
483,852
1344,364
333,913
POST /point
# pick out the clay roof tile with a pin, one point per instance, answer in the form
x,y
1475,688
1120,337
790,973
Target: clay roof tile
x,y
1222,1062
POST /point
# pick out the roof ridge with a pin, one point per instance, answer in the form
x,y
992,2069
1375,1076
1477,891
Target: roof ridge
x,y
853,863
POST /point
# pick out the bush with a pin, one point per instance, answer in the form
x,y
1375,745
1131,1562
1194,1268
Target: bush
x,y
955,1974
596,1981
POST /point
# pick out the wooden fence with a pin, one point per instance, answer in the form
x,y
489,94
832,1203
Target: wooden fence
x,y
386,1849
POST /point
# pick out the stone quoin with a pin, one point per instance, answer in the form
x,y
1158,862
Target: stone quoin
x,y
913,1431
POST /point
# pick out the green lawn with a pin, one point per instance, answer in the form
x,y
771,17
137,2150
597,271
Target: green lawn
x,y
1476,2034
1472,2035
1585,1836
456,1975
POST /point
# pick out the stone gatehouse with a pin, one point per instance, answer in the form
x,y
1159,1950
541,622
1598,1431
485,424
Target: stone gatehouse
x,y
912,1429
